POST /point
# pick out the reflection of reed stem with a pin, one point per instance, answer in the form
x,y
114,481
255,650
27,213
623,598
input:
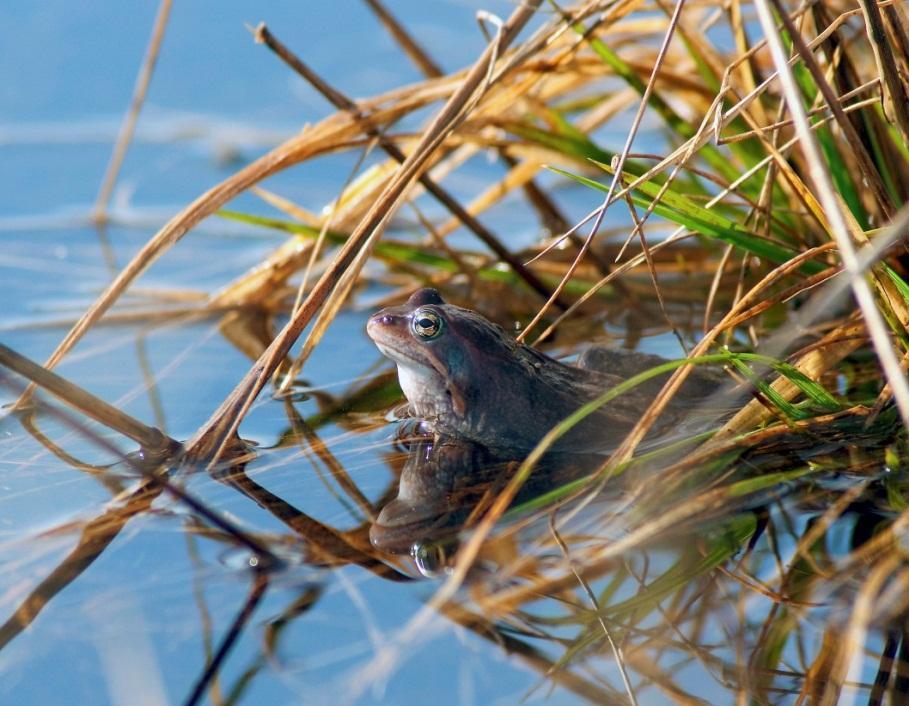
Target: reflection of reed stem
x,y
256,594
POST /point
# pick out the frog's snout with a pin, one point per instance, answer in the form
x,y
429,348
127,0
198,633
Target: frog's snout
x,y
380,324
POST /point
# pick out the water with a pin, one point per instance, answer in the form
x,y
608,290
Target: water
x,y
135,616
137,625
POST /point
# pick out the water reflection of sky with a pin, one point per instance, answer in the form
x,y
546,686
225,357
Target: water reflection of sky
x,y
68,72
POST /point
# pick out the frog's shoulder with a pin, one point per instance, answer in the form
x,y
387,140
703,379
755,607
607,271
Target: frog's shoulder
x,y
564,380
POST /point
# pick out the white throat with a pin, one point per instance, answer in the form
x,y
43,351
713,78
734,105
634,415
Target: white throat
x,y
412,381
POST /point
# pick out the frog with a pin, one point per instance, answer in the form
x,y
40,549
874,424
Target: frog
x,y
466,377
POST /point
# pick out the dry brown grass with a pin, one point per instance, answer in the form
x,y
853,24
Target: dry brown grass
x,y
782,188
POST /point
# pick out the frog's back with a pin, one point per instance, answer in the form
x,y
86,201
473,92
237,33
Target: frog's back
x,y
624,364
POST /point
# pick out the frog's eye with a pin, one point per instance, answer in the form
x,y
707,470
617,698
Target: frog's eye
x,y
426,323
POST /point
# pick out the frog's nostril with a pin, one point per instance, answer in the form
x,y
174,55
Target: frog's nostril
x,y
380,320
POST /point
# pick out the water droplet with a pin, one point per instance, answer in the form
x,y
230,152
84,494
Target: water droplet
x,y
432,558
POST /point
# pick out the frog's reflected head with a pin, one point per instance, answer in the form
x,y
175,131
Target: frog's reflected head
x,y
437,348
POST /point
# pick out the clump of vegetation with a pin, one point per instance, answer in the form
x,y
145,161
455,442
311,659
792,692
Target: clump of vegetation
x,y
765,231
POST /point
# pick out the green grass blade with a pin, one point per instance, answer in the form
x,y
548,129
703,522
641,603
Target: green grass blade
x,y
397,252
681,210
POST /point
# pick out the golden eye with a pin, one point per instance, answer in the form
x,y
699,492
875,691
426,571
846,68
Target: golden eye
x,y
426,324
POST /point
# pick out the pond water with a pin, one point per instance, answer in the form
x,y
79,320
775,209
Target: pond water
x,y
139,623
105,598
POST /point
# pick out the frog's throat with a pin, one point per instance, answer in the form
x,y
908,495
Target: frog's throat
x,y
426,389
415,375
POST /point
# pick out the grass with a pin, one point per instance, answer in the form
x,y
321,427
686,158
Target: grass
x,y
777,206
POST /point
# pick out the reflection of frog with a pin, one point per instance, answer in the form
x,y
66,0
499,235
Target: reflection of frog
x,y
440,483
468,378
443,481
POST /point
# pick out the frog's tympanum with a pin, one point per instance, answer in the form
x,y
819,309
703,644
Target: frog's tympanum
x,y
468,378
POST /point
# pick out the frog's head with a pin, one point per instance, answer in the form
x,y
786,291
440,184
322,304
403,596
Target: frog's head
x,y
449,359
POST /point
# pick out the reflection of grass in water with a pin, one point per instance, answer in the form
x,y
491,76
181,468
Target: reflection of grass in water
x,y
723,558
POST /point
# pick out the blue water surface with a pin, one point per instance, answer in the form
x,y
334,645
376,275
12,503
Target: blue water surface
x,y
138,625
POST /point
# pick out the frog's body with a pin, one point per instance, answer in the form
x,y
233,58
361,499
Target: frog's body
x,y
468,378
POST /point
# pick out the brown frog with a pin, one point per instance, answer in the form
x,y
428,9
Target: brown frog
x,y
468,378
